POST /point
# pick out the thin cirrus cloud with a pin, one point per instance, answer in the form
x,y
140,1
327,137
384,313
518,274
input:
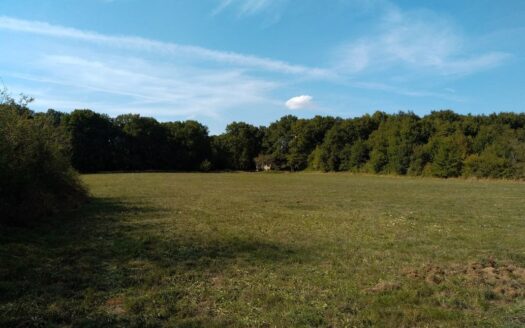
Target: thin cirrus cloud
x,y
251,7
148,87
299,102
419,41
143,44
182,85
127,73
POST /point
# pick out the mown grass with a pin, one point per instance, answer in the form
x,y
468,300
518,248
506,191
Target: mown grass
x,y
265,250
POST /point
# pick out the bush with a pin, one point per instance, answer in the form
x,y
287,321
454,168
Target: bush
x,y
503,159
206,166
487,165
36,177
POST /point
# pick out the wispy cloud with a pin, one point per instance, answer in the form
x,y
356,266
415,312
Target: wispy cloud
x,y
122,74
417,40
72,68
251,7
105,78
150,85
379,86
143,44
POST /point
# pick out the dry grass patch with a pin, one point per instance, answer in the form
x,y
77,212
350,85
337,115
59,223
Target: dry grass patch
x,y
502,281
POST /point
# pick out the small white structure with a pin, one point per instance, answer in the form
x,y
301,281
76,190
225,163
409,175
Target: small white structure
x,y
264,163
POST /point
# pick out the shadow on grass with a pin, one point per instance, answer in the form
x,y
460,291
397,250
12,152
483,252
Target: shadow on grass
x,y
64,270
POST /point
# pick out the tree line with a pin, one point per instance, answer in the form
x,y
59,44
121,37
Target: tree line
x,y
442,144
40,153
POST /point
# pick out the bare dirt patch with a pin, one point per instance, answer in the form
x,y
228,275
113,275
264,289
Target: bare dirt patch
x,y
506,281
115,306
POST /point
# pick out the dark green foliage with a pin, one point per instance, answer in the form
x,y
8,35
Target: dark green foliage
x,y
240,145
307,135
133,142
503,158
315,162
337,150
359,155
449,153
143,143
206,166
277,140
442,144
394,142
188,145
94,141
35,171
219,153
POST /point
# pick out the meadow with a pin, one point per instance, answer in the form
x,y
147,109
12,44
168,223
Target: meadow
x,y
272,250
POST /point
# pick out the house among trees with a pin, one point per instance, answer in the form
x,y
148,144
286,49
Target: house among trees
x,y
264,163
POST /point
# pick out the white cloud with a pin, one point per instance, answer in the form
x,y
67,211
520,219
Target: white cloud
x,y
146,86
89,70
72,68
404,91
418,40
299,102
143,44
251,7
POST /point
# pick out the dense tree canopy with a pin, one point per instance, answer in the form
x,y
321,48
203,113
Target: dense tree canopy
x,y
93,140
39,151
239,146
188,145
442,144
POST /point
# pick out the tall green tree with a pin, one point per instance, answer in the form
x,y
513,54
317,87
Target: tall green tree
x,y
145,140
307,135
242,142
93,139
448,155
189,144
278,138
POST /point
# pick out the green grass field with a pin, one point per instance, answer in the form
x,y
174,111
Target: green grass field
x,y
272,250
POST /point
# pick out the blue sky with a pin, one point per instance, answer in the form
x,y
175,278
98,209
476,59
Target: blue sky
x,y
219,61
